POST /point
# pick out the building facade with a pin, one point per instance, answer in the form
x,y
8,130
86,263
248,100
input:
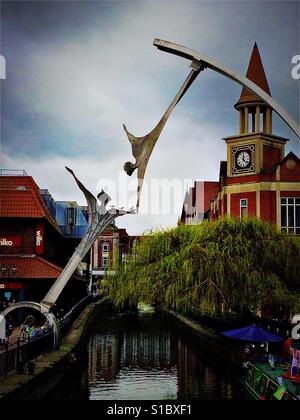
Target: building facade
x,y
109,250
197,202
258,179
33,249
72,220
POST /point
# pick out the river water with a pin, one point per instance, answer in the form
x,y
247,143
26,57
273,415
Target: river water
x,y
147,356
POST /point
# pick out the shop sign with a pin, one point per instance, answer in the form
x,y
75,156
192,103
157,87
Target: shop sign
x,y
10,241
11,286
39,239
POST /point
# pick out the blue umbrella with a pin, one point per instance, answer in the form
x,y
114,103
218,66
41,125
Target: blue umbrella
x,y
253,333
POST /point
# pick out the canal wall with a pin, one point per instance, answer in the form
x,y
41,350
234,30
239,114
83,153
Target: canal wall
x,y
51,368
219,348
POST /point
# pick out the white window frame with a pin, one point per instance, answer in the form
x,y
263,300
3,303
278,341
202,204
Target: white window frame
x,y
105,266
105,247
243,206
287,205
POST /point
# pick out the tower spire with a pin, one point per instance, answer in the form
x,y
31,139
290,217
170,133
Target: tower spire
x,y
256,73
251,105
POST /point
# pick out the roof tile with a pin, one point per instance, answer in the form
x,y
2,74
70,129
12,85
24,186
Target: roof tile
x,y
20,197
30,267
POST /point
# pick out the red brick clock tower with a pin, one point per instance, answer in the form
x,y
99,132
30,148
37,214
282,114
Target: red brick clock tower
x,y
255,150
258,180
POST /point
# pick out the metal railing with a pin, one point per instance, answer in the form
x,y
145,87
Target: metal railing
x,y
20,355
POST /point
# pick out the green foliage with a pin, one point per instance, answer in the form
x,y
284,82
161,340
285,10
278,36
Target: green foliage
x,y
227,264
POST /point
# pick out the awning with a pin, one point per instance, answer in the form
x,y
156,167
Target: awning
x,y
253,334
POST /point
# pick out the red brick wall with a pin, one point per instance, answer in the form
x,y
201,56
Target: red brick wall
x,y
290,194
290,174
272,156
235,203
251,178
109,240
268,206
24,230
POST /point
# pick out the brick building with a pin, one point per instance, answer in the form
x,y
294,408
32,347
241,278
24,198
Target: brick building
x,y
112,246
258,179
197,202
33,249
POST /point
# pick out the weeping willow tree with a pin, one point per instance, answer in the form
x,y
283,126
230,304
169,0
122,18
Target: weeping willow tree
x,y
222,265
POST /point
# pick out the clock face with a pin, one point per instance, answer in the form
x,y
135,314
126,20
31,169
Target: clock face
x,y
243,159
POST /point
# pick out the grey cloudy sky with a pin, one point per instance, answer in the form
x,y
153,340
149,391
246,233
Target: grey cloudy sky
x,y
76,70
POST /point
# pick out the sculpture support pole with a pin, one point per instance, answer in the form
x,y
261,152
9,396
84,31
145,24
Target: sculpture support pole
x,y
78,255
64,277
99,219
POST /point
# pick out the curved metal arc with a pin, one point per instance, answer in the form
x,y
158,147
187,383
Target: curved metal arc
x,y
27,304
39,307
213,64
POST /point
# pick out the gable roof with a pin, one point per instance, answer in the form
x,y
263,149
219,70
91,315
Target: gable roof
x,y
289,156
20,197
30,267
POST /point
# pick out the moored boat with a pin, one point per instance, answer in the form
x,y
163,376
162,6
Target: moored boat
x,y
263,382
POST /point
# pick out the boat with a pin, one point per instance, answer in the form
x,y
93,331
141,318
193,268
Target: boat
x,y
264,382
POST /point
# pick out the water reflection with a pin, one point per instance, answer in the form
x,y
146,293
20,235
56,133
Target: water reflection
x,y
146,358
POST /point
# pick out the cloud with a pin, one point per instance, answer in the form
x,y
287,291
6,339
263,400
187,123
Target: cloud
x,y
171,164
77,70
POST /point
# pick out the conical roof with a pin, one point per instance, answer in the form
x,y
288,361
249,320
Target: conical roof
x,y
256,74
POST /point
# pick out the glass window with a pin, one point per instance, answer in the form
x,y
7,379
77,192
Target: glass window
x,y
244,208
297,215
105,247
283,217
71,216
104,262
290,215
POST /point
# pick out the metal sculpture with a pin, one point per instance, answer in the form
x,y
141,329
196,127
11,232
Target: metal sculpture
x,y
99,219
142,147
37,307
213,64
